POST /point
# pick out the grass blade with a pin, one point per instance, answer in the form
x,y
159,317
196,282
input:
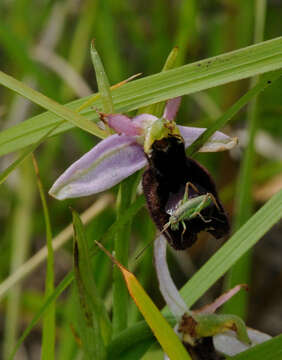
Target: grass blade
x,y
158,108
266,81
48,333
24,155
128,215
160,327
233,249
102,81
57,292
241,271
95,328
222,69
269,350
20,240
49,104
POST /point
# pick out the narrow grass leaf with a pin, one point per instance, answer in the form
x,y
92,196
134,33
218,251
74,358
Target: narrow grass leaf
x,y
32,264
269,350
137,352
133,335
266,81
128,215
92,99
48,332
245,238
244,206
167,338
158,108
127,191
20,228
184,80
49,104
120,222
126,195
94,325
4,175
57,292
102,81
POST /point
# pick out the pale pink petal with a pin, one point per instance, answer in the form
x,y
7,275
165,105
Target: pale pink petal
x,y
211,308
167,287
217,142
123,124
144,120
171,108
108,163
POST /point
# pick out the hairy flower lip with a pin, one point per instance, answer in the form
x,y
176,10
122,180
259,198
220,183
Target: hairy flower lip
x,y
164,183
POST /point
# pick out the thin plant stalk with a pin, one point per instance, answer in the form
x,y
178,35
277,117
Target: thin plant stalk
x,y
126,194
240,273
48,332
20,238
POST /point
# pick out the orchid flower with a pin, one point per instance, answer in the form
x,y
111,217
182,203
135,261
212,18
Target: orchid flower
x,y
202,331
122,154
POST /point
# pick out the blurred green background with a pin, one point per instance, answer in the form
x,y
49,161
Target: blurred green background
x,y
46,45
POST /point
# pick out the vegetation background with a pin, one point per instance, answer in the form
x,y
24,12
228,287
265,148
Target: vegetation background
x,y
46,45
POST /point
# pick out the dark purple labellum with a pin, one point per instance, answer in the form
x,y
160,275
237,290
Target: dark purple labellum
x,y
203,350
164,185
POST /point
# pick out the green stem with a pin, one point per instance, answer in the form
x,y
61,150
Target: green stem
x,y
240,273
145,267
127,190
21,230
48,332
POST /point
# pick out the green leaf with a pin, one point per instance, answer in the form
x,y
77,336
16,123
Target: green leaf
x,y
230,252
49,104
122,221
33,263
94,325
48,333
131,337
136,352
128,214
158,108
269,350
244,203
57,292
187,79
102,81
126,195
163,332
245,238
24,155
266,81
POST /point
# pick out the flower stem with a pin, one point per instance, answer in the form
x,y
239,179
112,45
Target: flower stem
x,y
126,195
240,273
